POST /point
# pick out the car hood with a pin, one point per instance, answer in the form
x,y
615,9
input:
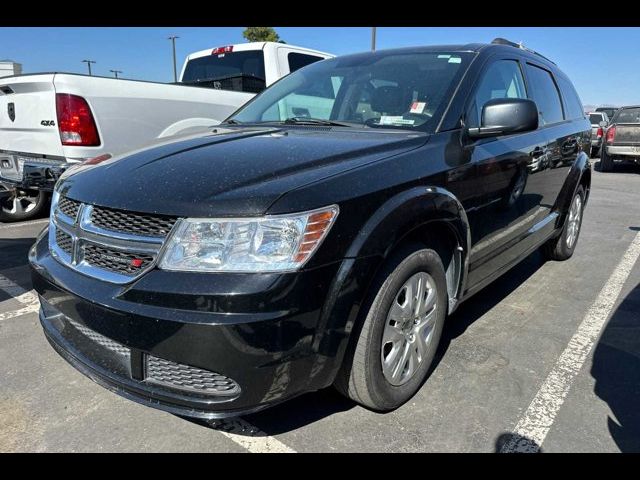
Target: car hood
x,y
230,171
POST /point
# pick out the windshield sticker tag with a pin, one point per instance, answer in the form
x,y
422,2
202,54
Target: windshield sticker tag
x,y
220,55
417,107
395,120
455,60
444,56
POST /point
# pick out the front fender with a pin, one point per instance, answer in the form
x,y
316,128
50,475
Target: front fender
x,y
399,217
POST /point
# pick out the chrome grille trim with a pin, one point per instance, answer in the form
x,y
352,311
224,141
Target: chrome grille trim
x,y
83,233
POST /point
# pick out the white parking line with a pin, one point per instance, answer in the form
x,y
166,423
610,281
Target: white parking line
x,y
22,311
23,224
251,438
534,425
28,299
17,292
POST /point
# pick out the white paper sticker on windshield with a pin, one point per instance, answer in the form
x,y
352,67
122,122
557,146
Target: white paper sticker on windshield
x,y
395,120
455,60
418,107
444,56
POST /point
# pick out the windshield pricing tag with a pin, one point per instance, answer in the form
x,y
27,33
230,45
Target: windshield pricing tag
x,y
418,107
395,120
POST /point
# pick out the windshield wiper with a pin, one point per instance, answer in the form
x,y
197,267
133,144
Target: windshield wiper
x,y
231,121
315,121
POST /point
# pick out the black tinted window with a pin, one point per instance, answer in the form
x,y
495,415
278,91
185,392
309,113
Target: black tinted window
x,y
299,60
595,118
571,99
503,79
545,94
240,71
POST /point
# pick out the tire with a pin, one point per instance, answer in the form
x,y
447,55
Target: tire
x,y
560,248
362,376
606,162
27,205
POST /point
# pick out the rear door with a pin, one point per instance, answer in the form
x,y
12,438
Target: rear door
x,y
565,126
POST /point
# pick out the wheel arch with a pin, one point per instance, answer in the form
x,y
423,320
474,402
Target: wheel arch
x,y
420,213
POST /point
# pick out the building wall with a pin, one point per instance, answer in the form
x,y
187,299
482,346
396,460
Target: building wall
x,y
10,68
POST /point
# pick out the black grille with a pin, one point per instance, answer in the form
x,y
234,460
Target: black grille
x,y
181,376
132,223
68,207
64,241
125,263
101,340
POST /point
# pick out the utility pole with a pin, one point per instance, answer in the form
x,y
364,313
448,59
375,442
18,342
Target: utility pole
x,y
175,72
373,39
116,72
88,62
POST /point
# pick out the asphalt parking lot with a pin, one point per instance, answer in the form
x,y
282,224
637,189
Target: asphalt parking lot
x,y
551,349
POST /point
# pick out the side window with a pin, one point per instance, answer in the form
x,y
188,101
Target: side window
x,y
503,79
545,94
571,99
299,60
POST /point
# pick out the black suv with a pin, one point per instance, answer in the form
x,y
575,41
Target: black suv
x,y
321,235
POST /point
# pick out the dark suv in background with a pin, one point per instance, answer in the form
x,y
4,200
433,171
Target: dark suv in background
x,y
319,236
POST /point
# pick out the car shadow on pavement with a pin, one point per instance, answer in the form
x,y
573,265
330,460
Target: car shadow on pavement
x,y
620,168
311,407
14,251
616,370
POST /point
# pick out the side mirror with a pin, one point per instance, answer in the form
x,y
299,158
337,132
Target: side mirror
x,y
603,124
502,116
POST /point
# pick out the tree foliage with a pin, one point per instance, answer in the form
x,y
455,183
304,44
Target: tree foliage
x,y
261,34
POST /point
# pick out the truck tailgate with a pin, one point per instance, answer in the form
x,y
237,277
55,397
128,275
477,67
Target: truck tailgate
x,y
627,134
28,115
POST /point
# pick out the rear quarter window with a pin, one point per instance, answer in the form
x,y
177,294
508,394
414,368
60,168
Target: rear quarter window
x,y
572,101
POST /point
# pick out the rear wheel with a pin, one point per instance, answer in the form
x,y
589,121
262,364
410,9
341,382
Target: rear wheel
x,y
22,205
606,162
562,247
390,356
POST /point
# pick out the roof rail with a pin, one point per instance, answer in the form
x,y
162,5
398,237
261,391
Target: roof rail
x,y
504,41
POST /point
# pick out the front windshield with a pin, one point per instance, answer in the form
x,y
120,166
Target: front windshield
x,y
382,90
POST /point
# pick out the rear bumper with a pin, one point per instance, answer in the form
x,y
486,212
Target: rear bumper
x,y
623,150
35,177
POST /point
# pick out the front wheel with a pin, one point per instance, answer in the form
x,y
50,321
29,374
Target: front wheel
x,y
562,247
22,205
390,356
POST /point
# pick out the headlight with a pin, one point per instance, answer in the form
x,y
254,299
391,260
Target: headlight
x,y
265,244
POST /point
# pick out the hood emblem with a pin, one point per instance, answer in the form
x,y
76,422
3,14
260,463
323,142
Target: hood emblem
x,y
11,110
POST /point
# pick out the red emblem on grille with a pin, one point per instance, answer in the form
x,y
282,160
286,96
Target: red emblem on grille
x,y
136,262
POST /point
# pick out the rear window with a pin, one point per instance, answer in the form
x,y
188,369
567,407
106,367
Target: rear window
x,y
545,94
239,71
595,119
627,115
299,60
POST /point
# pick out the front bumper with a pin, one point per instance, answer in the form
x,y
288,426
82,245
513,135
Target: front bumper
x,y
263,331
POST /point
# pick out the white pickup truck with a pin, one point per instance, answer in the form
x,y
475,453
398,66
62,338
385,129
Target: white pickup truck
x,y
51,120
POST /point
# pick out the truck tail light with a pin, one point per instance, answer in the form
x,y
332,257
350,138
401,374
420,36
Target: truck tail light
x,y
75,121
611,134
218,50
599,133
